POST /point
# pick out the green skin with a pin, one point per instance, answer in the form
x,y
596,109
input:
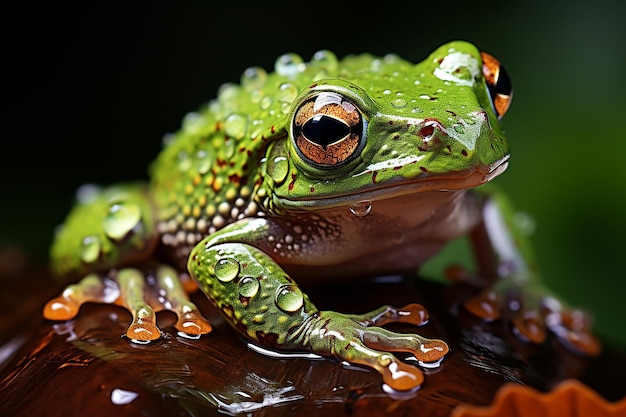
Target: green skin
x,y
236,203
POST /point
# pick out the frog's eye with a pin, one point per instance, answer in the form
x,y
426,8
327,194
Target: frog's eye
x,y
327,130
498,83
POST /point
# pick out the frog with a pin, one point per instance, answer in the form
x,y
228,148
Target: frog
x,y
317,171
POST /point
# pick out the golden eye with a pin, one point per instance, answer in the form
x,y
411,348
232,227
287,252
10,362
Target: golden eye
x,y
498,84
327,129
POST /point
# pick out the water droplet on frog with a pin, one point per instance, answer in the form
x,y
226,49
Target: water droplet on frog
x,y
87,193
236,125
325,60
248,287
361,208
227,92
122,218
289,298
278,168
204,162
266,102
459,128
184,162
416,110
193,122
287,93
253,78
90,248
399,103
226,269
289,64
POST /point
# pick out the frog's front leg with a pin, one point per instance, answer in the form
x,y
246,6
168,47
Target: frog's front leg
x,y
504,254
260,300
108,230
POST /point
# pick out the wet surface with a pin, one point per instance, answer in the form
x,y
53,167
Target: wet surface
x,y
86,366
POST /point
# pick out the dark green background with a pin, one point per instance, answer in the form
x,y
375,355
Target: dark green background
x,y
88,94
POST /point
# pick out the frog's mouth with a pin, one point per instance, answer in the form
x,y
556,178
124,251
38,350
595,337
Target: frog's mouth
x,y
401,186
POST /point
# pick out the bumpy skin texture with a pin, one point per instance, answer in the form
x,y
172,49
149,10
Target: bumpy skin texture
x,y
318,170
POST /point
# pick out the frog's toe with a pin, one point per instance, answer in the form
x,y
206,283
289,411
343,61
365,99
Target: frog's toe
x,y
141,296
573,328
533,316
350,340
92,288
530,326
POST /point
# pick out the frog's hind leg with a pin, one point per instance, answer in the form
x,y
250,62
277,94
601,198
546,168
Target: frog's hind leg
x,y
142,294
516,293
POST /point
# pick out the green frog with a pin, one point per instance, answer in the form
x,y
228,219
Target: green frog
x,y
319,170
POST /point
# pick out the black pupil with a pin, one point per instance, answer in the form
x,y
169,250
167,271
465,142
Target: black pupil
x,y
503,84
324,130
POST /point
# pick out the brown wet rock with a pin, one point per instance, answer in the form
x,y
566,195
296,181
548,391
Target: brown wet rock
x,y
86,366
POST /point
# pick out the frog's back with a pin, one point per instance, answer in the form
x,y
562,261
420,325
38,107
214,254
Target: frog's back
x,y
211,169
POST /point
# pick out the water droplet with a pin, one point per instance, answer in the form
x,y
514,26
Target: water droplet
x,y
226,269
227,92
90,248
236,125
266,102
184,162
416,110
253,78
459,128
87,193
399,103
278,168
287,93
122,397
325,60
193,122
289,298
361,208
248,287
204,162
122,218
289,64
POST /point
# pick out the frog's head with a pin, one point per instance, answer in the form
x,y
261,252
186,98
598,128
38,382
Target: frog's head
x,y
383,127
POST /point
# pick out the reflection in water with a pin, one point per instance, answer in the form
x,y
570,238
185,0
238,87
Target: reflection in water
x,y
121,396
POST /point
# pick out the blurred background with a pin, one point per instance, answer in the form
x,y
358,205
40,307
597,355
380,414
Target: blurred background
x,y
89,92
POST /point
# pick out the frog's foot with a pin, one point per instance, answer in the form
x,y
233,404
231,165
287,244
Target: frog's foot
x,y
533,313
142,297
358,339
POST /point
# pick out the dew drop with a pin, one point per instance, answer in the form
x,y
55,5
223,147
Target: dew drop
x,y
459,128
204,162
122,217
289,64
361,208
289,298
266,102
235,125
193,122
325,60
253,78
227,92
226,269
287,93
183,161
399,103
278,168
248,286
90,248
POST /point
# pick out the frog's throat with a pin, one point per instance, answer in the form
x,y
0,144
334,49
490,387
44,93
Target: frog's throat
x,y
451,181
